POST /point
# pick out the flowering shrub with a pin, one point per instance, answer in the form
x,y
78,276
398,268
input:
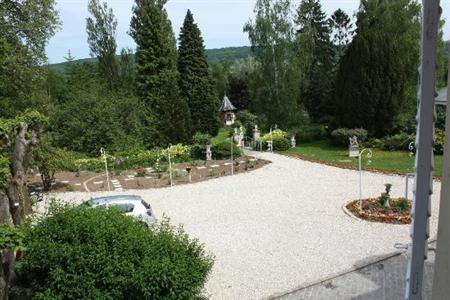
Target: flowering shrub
x,y
373,210
135,159
279,138
276,134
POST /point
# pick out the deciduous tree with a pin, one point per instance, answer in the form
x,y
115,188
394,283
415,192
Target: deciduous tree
x,y
101,30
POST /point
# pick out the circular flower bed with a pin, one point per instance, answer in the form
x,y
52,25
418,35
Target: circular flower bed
x,y
398,212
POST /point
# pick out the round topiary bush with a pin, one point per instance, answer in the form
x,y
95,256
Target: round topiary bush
x,y
86,253
222,150
340,137
281,144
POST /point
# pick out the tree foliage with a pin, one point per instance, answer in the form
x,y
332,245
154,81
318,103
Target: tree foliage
x,y
341,26
379,67
25,28
98,253
101,30
275,85
195,80
315,58
168,118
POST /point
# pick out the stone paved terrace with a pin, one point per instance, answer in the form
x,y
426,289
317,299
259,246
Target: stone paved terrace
x,y
384,280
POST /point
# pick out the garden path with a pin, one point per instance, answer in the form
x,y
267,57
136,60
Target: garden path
x,y
281,226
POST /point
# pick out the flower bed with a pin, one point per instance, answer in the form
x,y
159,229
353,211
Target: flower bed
x,y
373,210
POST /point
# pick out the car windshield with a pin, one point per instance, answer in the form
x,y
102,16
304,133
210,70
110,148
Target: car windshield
x,y
124,207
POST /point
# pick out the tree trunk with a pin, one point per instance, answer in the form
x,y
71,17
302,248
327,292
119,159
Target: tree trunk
x,y
7,273
19,200
6,265
7,261
14,201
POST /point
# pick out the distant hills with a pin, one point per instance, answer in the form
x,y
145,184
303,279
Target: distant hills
x,y
221,55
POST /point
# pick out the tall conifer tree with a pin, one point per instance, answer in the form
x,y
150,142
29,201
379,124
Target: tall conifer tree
x,y
316,58
168,118
195,82
379,66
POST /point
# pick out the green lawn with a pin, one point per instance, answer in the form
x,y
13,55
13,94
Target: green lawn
x,y
389,161
222,136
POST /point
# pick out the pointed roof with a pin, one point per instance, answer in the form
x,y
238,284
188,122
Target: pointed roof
x,y
227,105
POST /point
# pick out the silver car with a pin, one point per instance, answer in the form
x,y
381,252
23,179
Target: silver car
x,y
130,205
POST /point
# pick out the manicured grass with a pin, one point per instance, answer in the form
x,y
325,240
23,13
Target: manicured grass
x,y
388,161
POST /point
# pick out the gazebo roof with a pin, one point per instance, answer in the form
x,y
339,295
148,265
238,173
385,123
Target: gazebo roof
x,y
227,105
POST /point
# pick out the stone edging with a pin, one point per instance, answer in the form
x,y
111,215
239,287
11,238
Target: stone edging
x,y
351,215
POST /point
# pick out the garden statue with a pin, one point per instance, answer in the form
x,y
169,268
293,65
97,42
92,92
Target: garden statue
x,y
256,134
241,137
208,152
293,141
353,149
236,136
270,146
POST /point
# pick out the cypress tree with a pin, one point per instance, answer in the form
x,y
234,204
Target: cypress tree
x,y
316,58
195,82
379,68
167,114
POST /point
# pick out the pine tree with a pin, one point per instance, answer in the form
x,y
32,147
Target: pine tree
x,y
341,25
168,118
379,66
196,84
316,57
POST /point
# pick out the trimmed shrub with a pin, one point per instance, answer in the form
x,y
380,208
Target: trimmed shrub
x,y
222,150
279,138
373,143
201,139
86,253
341,136
198,149
439,141
309,133
281,144
397,142
276,134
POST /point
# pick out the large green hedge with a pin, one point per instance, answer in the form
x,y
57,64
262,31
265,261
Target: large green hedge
x,y
86,253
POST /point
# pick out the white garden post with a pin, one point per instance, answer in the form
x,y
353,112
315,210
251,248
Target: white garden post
x,y
231,155
103,152
369,155
170,165
271,140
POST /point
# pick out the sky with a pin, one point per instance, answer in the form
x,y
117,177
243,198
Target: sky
x,y
221,22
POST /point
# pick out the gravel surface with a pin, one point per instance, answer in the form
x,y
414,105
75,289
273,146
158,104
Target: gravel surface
x,y
281,226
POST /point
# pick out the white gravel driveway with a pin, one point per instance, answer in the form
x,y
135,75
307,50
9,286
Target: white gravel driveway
x,y
280,226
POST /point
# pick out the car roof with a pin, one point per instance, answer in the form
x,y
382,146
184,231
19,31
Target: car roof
x,y
115,199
